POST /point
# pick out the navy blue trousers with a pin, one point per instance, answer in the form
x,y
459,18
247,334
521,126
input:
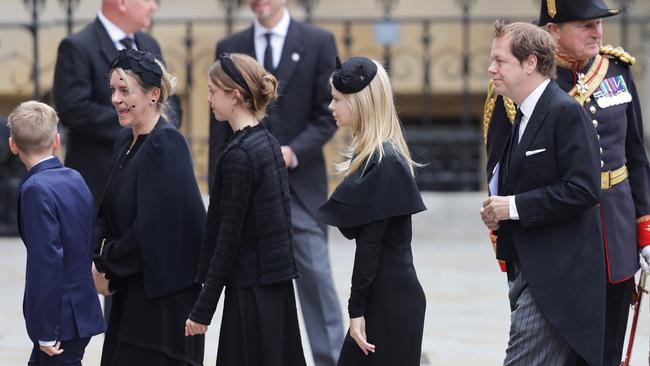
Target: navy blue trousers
x,y
73,353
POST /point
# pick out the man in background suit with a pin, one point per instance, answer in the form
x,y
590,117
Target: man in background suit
x,y
545,191
81,92
303,58
56,222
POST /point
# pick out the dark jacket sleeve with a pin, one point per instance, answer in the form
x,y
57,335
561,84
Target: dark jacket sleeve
x,y
366,258
236,176
44,280
321,127
116,257
578,186
120,257
170,212
497,135
73,94
635,154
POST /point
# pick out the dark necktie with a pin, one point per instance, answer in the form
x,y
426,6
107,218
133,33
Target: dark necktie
x,y
512,143
127,42
268,53
515,129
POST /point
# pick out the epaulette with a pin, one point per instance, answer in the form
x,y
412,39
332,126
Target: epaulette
x,y
490,104
617,53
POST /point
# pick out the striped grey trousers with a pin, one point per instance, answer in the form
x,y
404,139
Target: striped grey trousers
x,y
533,339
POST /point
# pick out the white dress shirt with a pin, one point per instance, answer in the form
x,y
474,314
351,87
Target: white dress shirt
x,y
278,35
115,32
527,108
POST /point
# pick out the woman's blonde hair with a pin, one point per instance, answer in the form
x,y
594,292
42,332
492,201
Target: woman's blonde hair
x,y
262,84
374,122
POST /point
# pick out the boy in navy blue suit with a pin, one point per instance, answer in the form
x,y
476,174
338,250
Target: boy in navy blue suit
x,y
56,223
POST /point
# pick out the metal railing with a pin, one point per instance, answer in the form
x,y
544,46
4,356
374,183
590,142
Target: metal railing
x,y
452,150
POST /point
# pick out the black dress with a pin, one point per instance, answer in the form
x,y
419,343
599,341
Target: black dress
x,y
374,206
248,249
143,329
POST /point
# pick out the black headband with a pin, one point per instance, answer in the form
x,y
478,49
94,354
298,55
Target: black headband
x,y
228,66
354,75
141,63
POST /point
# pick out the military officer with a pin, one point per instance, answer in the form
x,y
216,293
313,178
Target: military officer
x,y
600,79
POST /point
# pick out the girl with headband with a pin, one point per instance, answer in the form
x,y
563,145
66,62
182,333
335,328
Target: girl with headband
x,y
247,247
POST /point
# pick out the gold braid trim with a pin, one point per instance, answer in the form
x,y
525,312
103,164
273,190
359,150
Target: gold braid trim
x,y
511,109
490,104
591,80
488,109
619,53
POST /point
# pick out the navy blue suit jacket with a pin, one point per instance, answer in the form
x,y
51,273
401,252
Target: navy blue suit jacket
x,y
56,222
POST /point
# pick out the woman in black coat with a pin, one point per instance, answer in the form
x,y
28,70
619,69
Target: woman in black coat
x,y
149,225
373,205
248,239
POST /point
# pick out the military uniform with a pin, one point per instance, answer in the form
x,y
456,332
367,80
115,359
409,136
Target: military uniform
x,y
605,87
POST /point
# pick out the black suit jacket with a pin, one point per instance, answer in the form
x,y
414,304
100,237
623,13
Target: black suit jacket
x,y
300,117
558,235
83,100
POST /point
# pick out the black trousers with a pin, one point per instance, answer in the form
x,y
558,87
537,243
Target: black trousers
x,y
619,298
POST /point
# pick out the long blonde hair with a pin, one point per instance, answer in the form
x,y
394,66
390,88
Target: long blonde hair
x,y
374,122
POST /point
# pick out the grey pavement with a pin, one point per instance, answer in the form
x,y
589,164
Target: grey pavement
x,y
467,315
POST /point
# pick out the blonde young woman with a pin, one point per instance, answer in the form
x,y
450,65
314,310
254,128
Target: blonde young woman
x,y
373,205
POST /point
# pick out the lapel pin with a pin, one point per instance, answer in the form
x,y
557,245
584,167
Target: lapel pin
x,y
295,57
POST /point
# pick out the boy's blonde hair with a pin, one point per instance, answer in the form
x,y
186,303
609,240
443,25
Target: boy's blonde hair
x,y
33,127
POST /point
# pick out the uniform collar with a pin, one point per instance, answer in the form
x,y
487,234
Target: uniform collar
x,y
566,62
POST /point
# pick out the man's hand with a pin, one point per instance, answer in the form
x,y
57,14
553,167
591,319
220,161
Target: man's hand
x,y
101,282
193,328
488,221
52,350
287,154
495,209
644,259
358,333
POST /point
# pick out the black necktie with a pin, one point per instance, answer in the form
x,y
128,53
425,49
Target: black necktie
x,y
512,143
127,42
515,128
268,53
